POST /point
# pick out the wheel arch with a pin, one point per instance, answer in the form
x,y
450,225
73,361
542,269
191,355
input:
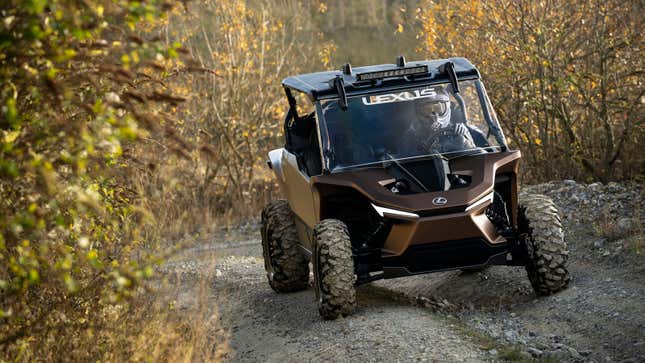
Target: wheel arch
x,y
348,205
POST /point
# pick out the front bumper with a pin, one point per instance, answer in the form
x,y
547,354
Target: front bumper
x,y
444,242
467,225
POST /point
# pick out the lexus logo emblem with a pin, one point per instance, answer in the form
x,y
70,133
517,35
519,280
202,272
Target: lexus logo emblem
x,y
439,201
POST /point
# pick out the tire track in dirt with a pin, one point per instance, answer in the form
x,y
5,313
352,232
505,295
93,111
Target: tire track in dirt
x,y
266,326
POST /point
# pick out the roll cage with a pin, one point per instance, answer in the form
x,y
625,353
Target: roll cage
x,y
308,138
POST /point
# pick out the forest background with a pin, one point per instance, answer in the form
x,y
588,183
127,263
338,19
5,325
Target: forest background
x,y
125,125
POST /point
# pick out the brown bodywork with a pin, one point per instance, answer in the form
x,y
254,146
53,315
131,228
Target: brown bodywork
x,y
457,234
450,221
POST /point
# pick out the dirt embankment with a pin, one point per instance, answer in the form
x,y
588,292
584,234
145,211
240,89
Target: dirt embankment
x,y
452,316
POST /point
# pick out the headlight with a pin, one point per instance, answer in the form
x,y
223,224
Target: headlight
x,y
393,213
481,201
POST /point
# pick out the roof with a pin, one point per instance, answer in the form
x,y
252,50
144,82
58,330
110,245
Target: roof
x,y
319,84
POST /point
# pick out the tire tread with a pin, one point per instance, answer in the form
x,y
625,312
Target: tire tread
x,y
547,248
281,250
336,269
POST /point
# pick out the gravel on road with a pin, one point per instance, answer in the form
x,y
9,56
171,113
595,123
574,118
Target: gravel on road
x,y
491,315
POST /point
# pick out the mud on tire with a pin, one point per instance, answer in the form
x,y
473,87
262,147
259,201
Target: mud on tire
x,y
286,266
334,269
540,224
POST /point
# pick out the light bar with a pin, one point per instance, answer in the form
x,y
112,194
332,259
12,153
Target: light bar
x,y
393,213
407,71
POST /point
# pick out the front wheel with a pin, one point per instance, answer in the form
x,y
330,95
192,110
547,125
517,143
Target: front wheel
x,y
541,228
334,269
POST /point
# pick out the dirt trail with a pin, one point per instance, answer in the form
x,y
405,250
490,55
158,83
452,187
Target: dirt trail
x,y
471,316
600,317
265,326
492,315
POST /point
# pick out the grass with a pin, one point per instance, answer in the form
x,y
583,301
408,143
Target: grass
x,y
171,320
607,226
182,324
505,352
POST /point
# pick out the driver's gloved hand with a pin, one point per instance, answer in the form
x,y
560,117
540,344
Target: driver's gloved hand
x,y
461,129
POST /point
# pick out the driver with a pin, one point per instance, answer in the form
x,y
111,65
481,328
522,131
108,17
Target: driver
x,y
435,131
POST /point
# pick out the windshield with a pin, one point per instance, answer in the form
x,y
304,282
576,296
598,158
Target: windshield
x,y
410,123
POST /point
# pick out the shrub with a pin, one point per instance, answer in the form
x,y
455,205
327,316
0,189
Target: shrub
x,y
80,86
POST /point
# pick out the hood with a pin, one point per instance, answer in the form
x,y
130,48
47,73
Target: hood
x,y
427,187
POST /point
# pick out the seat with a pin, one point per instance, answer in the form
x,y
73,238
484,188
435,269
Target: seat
x,y
304,144
457,116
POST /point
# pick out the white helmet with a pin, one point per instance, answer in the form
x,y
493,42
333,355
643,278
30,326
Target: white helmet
x,y
434,108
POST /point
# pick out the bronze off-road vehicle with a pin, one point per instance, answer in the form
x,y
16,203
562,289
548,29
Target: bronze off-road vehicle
x,y
400,169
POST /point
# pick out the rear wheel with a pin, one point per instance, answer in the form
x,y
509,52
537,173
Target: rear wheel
x,y
539,224
286,266
334,269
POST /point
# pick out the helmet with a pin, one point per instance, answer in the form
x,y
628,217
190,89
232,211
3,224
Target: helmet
x,y
433,108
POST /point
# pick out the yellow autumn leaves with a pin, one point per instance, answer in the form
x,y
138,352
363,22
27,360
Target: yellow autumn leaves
x,y
563,77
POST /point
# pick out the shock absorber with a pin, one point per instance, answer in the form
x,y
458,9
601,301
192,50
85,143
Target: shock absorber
x,y
498,214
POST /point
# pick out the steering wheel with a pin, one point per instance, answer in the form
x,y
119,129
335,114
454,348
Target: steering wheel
x,y
456,138
381,153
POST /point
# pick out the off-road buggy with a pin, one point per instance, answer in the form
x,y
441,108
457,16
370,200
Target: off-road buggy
x,y
400,169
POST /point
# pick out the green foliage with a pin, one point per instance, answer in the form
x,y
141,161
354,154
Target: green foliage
x,y
98,162
80,84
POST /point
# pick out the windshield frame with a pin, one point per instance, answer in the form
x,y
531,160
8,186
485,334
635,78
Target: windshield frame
x,y
326,144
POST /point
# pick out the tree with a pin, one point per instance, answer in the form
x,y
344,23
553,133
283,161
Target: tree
x,y
566,78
